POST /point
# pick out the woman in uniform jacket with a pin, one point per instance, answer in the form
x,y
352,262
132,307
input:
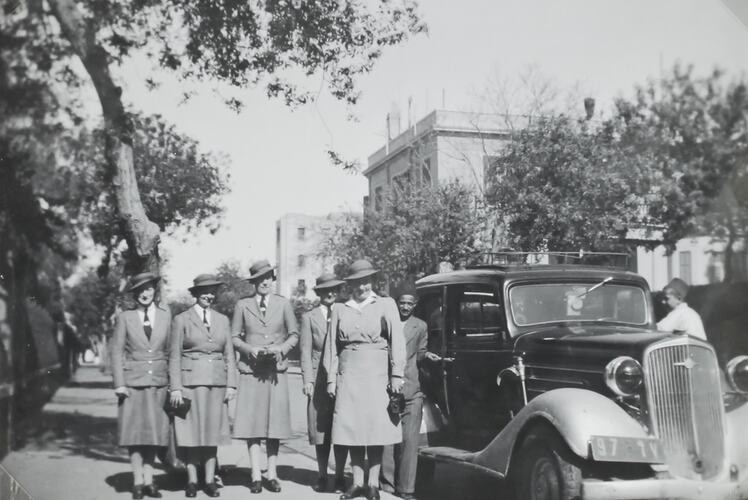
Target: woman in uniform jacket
x,y
365,354
202,368
139,367
315,326
264,331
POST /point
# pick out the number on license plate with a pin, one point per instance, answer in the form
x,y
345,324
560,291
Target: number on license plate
x,y
626,449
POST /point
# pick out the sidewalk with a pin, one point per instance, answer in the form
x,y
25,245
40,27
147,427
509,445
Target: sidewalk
x,y
73,453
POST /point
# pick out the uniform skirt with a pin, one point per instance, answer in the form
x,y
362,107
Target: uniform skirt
x,y
207,421
319,412
262,406
361,417
142,420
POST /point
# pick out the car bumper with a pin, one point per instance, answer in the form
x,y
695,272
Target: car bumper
x,y
664,488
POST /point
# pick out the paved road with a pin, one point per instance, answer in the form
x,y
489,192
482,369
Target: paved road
x,y
72,455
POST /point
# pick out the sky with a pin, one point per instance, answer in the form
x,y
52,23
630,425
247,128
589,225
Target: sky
x,y
278,161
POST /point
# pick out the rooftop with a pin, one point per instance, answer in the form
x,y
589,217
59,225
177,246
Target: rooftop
x,y
485,124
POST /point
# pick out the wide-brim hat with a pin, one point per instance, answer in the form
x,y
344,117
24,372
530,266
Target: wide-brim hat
x,y
260,268
141,279
328,280
205,281
360,269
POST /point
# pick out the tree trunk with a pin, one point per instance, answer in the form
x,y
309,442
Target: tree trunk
x,y
141,234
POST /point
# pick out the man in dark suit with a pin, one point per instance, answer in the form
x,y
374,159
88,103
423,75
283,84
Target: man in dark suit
x,y
398,473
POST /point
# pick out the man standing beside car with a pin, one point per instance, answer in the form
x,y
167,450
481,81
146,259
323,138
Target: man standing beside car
x,y
399,461
681,318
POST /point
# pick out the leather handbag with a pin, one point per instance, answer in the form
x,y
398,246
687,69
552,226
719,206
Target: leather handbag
x,y
179,410
396,404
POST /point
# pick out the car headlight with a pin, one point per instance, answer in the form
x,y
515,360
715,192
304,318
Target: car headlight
x,y
624,375
737,373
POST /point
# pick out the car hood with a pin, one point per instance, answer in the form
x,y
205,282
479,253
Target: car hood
x,y
590,343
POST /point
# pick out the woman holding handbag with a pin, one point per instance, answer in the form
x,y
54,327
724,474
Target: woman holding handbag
x,y
202,369
364,355
139,368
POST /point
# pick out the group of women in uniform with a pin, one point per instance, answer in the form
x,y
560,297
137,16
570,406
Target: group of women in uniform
x,y
352,354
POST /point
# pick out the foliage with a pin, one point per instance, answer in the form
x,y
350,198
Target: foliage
x,y
560,185
181,187
692,134
236,287
419,228
92,301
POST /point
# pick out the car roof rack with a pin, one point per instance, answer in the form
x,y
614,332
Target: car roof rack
x,y
505,259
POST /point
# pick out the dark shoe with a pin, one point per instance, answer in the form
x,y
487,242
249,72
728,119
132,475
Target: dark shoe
x,y
255,487
407,496
191,490
353,492
372,493
273,485
321,484
339,485
211,489
151,491
137,491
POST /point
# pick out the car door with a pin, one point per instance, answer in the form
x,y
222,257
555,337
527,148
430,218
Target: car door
x,y
477,348
430,309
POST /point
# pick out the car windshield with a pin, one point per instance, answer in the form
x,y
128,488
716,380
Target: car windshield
x,y
554,302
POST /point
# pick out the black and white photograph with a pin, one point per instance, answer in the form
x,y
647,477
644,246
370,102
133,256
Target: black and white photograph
x,y
374,249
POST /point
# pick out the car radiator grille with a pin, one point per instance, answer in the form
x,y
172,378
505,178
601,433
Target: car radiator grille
x,y
685,405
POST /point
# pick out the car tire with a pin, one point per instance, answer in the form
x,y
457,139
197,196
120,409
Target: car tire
x,y
545,468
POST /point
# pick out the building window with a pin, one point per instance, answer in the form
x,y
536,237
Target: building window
x,y
301,261
684,262
426,172
301,233
378,198
401,182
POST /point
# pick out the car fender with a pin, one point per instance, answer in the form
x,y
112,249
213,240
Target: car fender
x,y
577,415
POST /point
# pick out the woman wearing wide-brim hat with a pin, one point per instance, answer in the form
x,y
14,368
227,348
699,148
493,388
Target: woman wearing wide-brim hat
x,y
139,366
315,327
365,353
202,368
264,331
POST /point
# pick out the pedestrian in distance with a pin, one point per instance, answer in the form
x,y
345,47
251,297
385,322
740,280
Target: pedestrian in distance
x,y
315,327
139,367
681,317
399,461
364,355
202,370
264,331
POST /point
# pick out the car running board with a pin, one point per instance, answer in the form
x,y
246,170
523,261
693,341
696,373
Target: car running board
x,y
449,455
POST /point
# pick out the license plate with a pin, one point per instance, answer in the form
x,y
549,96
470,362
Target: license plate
x,y
627,449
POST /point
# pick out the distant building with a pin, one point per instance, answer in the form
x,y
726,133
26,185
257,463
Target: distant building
x,y
298,240
443,145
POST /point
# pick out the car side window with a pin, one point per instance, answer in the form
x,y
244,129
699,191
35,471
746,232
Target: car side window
x,y
478,311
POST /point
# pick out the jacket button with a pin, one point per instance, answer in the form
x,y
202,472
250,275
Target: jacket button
x,y
210,340
210,360
150,372
150,350
150,362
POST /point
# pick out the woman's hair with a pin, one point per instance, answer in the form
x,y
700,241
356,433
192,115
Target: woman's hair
x,y
136,291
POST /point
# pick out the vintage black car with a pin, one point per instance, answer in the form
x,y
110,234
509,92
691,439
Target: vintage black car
x,y
556,378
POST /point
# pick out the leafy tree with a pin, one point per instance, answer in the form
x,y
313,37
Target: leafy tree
x,y
560,185
236,42
691,133
418,228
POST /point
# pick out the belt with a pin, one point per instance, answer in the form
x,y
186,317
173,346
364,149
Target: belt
x,y
201,355
364,346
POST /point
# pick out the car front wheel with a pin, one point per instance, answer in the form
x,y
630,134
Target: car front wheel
x,y
545,468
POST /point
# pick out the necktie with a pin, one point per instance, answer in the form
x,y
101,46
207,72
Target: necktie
x,y
205,319
147,324
263,305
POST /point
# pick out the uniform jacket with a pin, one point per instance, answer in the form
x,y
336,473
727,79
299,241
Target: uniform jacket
x,y
416,339
249,328
376,325
200,356
136,361
312,340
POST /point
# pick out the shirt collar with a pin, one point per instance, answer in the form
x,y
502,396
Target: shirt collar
x,y
360,305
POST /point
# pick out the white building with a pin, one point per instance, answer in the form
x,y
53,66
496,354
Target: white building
x,y
298,239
